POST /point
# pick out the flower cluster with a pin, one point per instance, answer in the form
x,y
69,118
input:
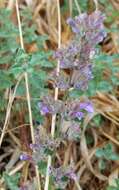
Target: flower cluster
x,y
78,55
76,110
62,81
71,112
49,106
89,27
62,175
44,145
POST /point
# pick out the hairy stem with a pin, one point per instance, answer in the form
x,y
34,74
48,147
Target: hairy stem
x,y
53,122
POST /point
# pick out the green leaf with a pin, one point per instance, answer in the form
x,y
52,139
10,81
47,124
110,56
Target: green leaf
x,y
5,80
12,181
42,166
89,139
102,164
97,120
107,152
99,153
16,71
5,59
41,39
116,187
41,59
112,188
105,86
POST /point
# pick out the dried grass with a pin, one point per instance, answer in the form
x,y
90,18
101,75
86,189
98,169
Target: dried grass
x,y
45,16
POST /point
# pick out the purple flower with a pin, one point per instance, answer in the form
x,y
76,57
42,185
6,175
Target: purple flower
x,y
82,85
44,145
91,31
44,109
25,157
81,18
24,188
61,81
76,114
35,146
87,106
80,77
62,175
49,106
72,23
78,54
70,173
77,110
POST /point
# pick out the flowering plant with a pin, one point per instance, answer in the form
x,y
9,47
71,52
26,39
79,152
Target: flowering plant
x,y
77,58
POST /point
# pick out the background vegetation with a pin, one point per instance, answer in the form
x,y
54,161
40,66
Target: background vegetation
x,y
96,156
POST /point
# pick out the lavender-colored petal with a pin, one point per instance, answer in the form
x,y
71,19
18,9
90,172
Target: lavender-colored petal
x,y
79,115
58,54
79,53
62,64
71,174
82,85
87,106
72,23
35,146
81,18
25,157
43,108
23,188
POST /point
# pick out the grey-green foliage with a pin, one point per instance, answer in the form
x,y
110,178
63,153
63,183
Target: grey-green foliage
x,y
109,9
12,181
14,61
97,120
8,46
82,4
107,152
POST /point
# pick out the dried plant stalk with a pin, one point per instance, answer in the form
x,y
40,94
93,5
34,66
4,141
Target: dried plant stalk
x,y
28,94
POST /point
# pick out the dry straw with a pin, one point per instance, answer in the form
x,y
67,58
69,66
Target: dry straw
x,y
28,94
